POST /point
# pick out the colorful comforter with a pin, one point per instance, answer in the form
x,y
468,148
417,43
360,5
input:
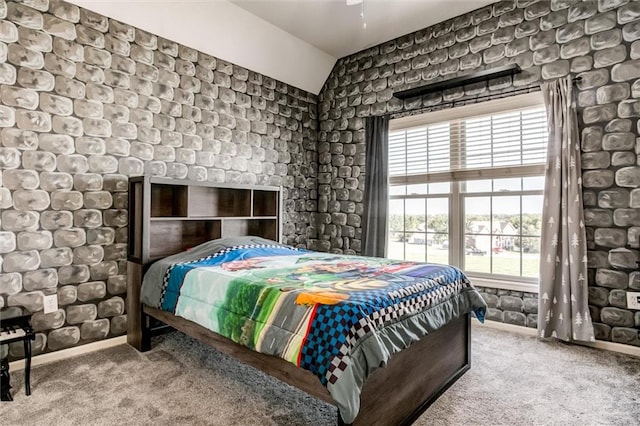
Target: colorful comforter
x,y
338,316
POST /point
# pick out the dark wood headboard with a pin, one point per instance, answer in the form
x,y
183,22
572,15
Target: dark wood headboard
x,y
167,216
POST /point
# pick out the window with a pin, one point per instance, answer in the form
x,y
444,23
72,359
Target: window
x,y
466,187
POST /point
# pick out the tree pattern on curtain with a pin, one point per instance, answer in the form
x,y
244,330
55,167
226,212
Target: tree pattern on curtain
x,y
563,299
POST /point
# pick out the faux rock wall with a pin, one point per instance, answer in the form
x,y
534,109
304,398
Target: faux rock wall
x,y
596,40
510,306
86,102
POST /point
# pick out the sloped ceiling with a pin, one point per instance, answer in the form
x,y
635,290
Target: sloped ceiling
x,y
294,41
338,29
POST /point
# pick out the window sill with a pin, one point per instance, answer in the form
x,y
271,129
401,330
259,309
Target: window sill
x,y
504,284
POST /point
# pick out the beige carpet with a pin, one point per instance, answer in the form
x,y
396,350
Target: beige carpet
x,y
514,380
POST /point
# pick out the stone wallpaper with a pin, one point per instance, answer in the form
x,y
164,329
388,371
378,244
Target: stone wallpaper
x,y
86,102
596,40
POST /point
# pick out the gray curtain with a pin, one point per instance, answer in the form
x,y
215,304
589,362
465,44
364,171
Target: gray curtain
x,y
376,187
563,308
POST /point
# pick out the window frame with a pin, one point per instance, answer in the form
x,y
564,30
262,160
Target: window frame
x,y
458,177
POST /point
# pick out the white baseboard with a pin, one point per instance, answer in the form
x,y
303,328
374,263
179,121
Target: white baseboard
x,y
614,347
598,344
68,353
506,327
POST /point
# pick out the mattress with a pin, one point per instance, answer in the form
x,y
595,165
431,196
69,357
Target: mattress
x,y
338,316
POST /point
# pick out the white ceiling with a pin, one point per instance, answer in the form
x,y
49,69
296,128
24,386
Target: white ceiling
x,y
294,41
336,28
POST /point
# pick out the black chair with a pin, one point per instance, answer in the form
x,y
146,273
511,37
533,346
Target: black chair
x,y
15,329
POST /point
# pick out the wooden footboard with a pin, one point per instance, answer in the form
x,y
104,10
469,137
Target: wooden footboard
x,y
417,376
395,395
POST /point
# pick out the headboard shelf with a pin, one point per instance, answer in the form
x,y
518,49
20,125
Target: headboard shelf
x,y
265,228
264,203
212,201
168,236
168,200
170,216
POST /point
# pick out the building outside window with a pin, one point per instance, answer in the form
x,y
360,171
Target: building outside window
x,y
466,189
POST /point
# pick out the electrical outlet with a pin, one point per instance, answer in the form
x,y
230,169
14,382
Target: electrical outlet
x,y
633,300
50,303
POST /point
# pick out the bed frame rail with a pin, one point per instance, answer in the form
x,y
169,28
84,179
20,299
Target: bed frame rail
x,y
395,395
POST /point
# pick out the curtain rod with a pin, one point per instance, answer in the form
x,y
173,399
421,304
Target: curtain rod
x,y
471,100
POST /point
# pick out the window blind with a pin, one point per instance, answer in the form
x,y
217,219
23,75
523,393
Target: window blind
x,y
489,145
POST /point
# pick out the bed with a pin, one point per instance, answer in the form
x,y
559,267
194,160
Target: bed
x,y
378,338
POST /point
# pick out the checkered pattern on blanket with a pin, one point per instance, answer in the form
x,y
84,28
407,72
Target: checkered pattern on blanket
x,y
336,329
